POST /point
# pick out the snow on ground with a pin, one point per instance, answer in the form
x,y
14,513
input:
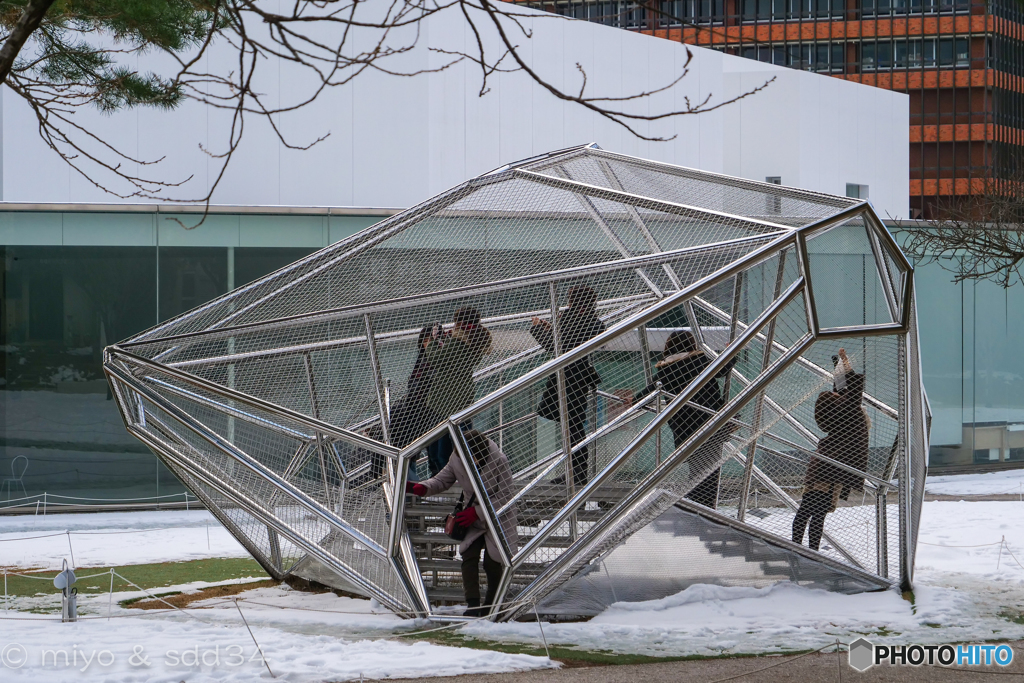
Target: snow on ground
x,y
175,648
987,483
114,538
961,537
960,593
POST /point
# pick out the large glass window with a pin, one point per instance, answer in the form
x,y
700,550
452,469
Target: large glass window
x,y
72,283
971,336
61,306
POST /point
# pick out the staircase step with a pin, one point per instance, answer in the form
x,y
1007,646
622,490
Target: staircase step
x,y
442,539
446,594
456,566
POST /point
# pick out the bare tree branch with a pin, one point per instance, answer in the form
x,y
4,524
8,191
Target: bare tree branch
x,y
329,42
977,237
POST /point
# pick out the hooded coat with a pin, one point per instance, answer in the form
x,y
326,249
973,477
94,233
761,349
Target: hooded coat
x,y
451,359
840,415
575,326
497,479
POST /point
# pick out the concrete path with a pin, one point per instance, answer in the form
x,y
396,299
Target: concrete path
x,y
825,667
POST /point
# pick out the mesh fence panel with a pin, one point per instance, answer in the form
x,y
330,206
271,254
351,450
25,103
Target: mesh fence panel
x,y
786,206
680,549
848,289
389,334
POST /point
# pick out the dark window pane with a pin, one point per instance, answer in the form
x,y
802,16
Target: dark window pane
x,y
191,276
946,52
838,57
867,55
963,52
60,307
883,54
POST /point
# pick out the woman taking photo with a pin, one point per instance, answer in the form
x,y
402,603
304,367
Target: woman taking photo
x,y
452,357
844,420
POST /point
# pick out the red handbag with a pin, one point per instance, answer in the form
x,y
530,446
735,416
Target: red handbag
x,y
452,529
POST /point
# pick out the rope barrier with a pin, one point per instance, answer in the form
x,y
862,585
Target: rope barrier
x,y
48,498
96,533
939,545
262,656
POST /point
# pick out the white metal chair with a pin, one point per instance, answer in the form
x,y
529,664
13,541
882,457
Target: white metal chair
x,y
16,478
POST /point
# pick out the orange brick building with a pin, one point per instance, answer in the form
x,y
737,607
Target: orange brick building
x,y
960,61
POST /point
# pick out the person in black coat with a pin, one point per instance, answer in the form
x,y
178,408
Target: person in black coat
x,y
576,324
408,417
840,414
681,363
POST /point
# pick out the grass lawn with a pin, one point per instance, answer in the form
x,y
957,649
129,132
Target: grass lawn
x,y
148,576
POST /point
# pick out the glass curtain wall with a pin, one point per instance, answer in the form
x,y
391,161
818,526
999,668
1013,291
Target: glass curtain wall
x,y
972,338
73,282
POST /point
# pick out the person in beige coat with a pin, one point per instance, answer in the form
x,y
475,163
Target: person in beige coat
x,y
496,474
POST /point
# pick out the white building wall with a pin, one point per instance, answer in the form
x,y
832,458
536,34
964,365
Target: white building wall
x,y
395,141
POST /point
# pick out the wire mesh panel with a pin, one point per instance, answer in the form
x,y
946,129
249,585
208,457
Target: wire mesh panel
x,y
573,345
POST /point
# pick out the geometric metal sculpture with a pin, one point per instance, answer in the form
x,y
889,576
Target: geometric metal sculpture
x,y
272,403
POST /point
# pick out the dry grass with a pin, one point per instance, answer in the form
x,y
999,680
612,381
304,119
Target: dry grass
x,y
185,599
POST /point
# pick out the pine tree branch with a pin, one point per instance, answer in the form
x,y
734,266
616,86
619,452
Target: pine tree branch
x,y
28,22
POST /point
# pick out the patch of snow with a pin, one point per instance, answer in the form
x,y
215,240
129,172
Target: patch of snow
x,y
987,483
162,648
114,539
961,537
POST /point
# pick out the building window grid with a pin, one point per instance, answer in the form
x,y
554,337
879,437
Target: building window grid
x,y
945,50
629,14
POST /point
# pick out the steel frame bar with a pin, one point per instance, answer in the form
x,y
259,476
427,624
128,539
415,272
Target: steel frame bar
x,y
511,423
662,419
684,210
671,462
281,429
882,268
804,262
882,531
378,382
905,469
563,408
640,224
877,481
339,433
595,215
490,518
250,463
314,407
461,292
391,337
766,360
721,179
